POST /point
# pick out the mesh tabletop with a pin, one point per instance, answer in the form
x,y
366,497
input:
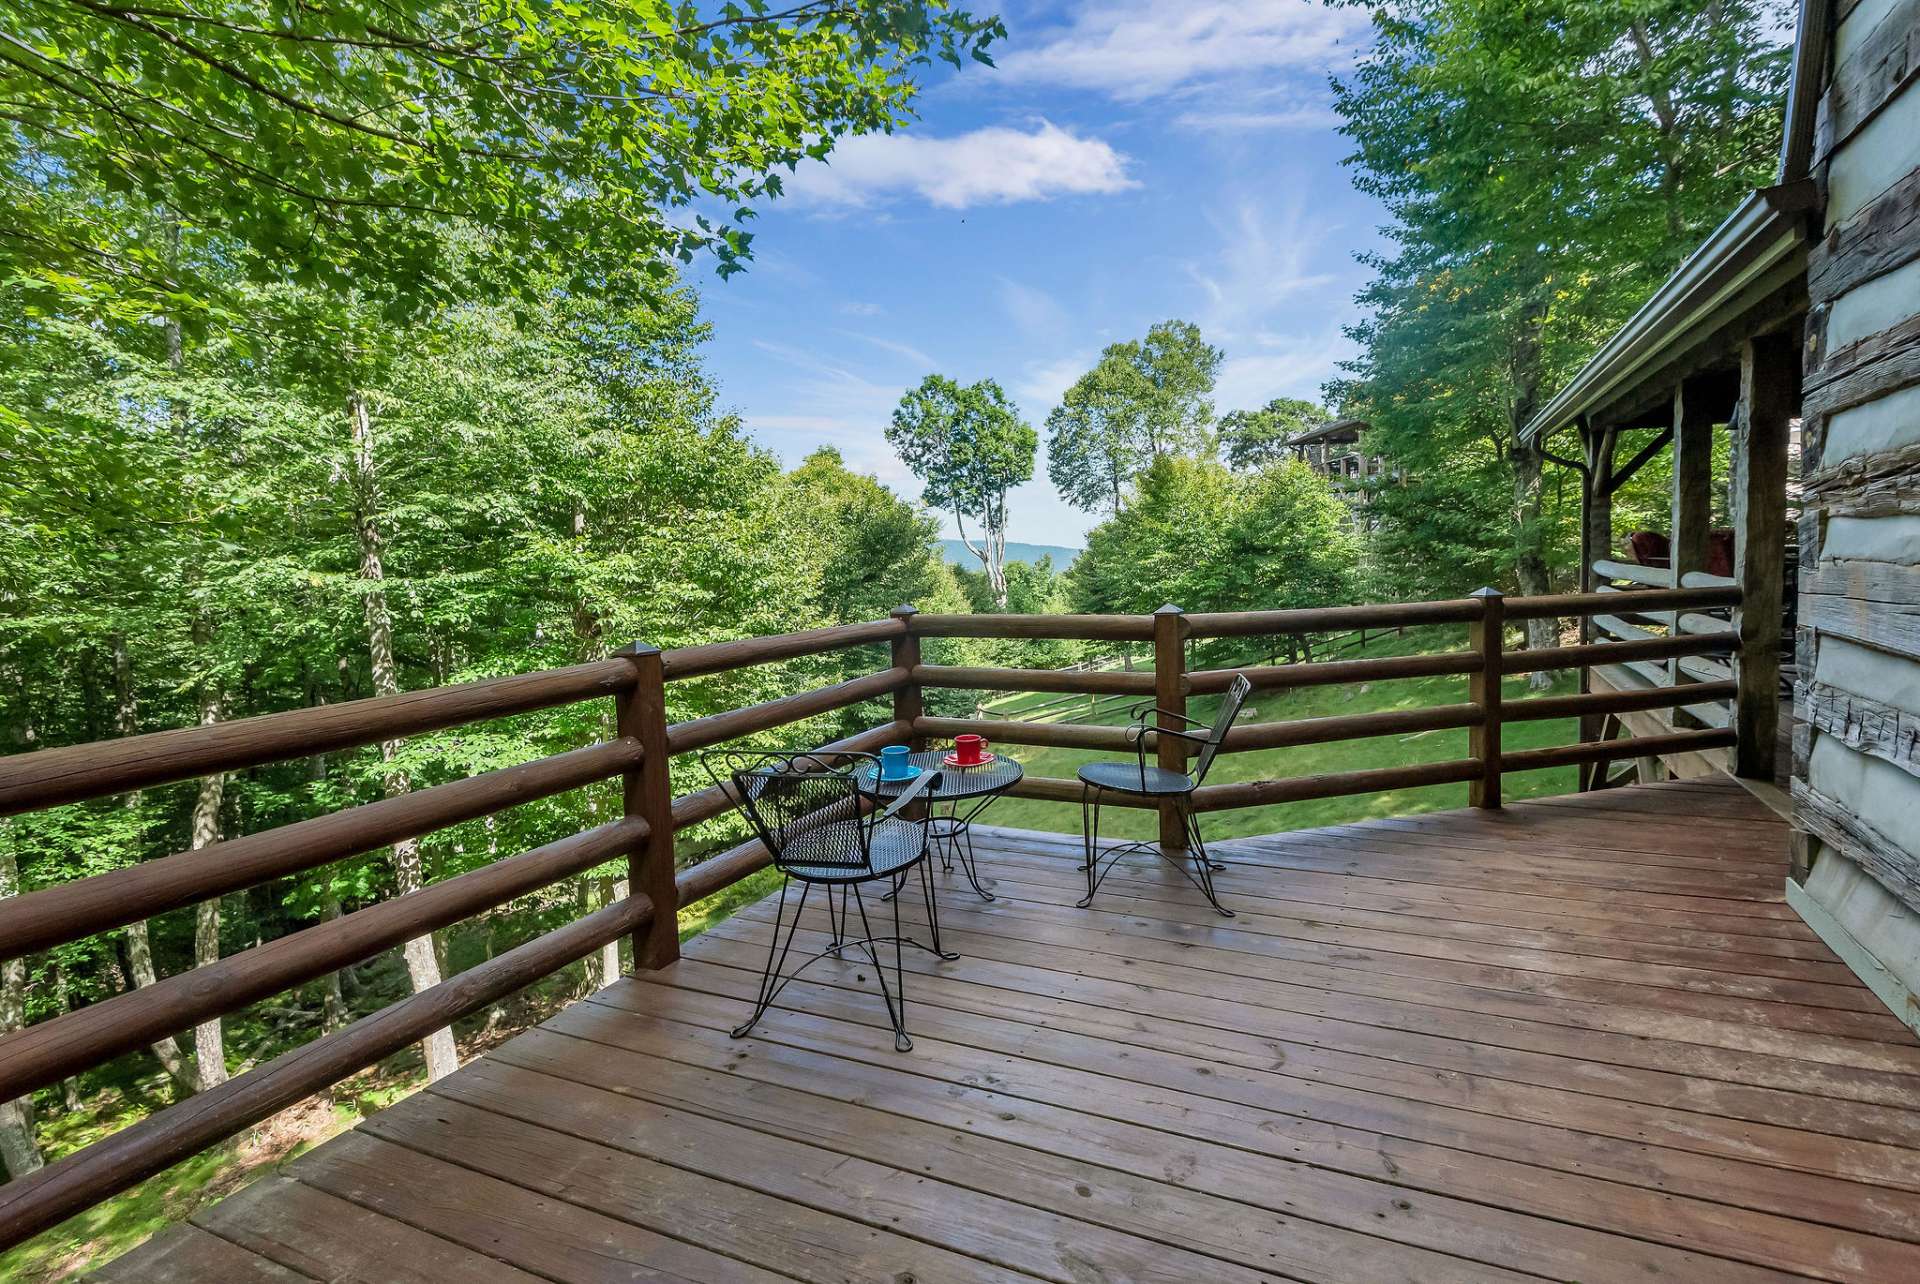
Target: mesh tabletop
x,y
955,782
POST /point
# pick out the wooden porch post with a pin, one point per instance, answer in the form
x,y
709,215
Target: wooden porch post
x,y
909,702
1596,542
647,792
1170,694
1769,397
1692,509
1487,636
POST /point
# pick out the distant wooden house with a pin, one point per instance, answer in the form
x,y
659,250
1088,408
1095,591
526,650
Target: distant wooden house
x,y
1795,328
1333,451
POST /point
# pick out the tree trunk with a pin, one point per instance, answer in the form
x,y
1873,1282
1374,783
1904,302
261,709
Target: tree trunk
x,y
139,945
616,890
209,1044
423,965
18,1149
1529,540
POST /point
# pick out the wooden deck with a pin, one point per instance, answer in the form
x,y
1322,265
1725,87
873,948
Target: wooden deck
x,y
1581,1039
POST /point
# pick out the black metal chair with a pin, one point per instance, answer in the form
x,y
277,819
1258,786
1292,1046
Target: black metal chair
x,y
1139,779
808,807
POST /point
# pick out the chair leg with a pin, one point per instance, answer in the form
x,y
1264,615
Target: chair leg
x,y
1090,800
777,951
896,1013
1203,863
933,913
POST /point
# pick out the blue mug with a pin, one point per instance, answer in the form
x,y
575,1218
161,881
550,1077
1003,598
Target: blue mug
x,y
894,764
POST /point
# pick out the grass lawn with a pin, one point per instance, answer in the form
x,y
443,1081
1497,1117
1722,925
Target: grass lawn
x,y
1305,760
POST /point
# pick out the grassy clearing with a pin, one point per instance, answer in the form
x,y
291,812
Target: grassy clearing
x,y
1352,755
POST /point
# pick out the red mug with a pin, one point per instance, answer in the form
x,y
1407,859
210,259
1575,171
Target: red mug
x,y
969,748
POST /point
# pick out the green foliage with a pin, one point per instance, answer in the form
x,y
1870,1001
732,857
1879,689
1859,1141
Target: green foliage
x,y
1206,539
1251,439
1545,166
334,146
970,446
1142,400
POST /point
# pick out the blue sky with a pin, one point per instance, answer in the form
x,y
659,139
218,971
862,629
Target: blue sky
x,y
1128,161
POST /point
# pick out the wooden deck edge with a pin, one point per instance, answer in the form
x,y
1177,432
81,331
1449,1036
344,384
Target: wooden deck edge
x,y
1887,987
1777,800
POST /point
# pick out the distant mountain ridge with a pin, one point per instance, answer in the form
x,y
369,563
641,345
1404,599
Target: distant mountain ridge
x,y
957,553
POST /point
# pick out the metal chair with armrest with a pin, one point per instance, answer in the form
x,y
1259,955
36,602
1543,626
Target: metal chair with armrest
x,y
807,806
1140,779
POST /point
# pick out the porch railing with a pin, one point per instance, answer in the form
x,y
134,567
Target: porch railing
x,y
644,834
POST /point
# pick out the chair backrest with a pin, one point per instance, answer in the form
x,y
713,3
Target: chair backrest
x,y
805,805
1230,707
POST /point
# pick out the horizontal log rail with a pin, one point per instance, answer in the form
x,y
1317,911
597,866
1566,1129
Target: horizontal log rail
x,y
1273,677
1609,750
138,1151
61,1046
1330,619
49,777
51,1050
70,911
1592,653
1094,628
1620,602
975,679
1265,793
704,733
1600,703
723,657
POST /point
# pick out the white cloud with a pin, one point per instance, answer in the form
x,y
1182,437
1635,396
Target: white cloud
x,y
905,351
1139,49
1283,366
1034,312
1241,122
1043,383
861,308
996,165
1264,256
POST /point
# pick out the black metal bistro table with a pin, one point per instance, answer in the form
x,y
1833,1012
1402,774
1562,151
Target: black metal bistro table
x,y
962,794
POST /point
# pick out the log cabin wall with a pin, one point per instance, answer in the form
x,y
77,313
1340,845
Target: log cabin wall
x,y
1857,745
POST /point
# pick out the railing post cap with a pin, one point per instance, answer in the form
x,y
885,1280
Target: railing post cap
x,y
1487,592
640,649
1169,609
905,608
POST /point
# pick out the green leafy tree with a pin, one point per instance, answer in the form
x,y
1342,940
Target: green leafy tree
x,y
330,145
1545,166
1143,399
970,447
1252,439
1195,534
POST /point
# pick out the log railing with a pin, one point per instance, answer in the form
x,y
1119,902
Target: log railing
x,y
644,834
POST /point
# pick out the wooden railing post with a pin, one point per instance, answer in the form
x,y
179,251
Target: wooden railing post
x,y
909,704
1170,694
647,792
1769,397
1487,636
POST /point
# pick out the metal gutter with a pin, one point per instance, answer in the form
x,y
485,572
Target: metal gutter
x,y
1764,232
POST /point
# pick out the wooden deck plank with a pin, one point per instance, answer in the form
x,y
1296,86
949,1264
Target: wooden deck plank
x,y
545,1236
1054,992
1041,881
974,1139
765,1231
1263,1074
1579,1039
1245,1166
893,1198
1230,1108
188,1253
326,1238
